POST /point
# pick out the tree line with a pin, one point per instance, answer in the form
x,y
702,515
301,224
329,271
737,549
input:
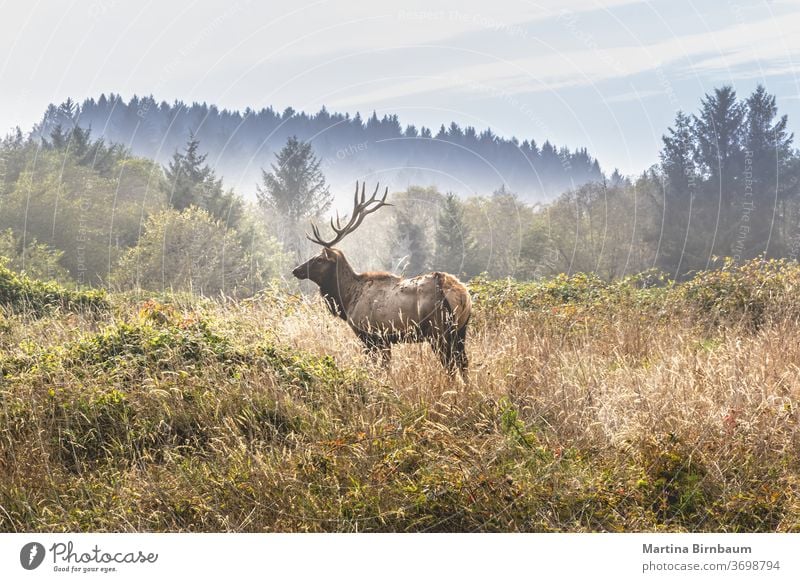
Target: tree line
x,y
86,211
464,159
727,185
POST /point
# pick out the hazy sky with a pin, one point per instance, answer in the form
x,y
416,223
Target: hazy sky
x,y
605,75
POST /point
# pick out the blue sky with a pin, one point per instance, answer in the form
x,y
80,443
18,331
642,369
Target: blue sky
x,y
606,75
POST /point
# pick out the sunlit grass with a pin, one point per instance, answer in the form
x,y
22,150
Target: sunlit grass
x,y
590,407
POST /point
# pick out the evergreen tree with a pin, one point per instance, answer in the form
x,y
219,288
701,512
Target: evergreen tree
x,y
454,242
58,139
720,155
767,145
617,179
766,139
718,131
192,182
296,188
411,239
185,173
77,143
765,134
294,191
678,156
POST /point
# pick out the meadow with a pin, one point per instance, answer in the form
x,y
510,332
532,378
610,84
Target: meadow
x,y
638,405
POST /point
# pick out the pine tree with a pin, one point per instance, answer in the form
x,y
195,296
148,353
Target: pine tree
x,y
678,156
455,244
293,192
766,138
681,183
68,113
185,172
77,142
192,182
768,153
58,139
718,131
296,188
617,179
80,143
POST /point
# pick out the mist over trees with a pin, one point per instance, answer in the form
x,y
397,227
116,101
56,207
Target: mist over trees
x,y
86,211
190,250
465,160
727,185
730,182
293,192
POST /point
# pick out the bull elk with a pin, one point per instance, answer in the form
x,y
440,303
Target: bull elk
x,y
382,308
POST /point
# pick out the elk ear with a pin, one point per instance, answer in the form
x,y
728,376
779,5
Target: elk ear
x,y
329,254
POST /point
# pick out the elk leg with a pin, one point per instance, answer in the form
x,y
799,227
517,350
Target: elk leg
x,y
452,350
386,355
377,346
443,346
461,351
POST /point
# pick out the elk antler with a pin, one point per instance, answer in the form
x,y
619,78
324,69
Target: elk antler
x,y
361,208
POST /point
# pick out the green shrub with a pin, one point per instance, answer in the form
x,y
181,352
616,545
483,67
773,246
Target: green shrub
x,y
742,292
673,484
21,293
34,259
736,293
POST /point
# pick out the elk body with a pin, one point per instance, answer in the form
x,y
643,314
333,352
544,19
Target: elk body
x,y
382,308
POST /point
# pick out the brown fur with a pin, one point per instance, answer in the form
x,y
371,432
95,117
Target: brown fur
x,y
383,308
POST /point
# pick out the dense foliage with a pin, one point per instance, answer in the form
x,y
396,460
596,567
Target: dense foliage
x,y
86,213
19,293
728,185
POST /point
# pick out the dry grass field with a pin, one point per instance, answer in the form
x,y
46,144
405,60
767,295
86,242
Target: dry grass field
x,y
641,405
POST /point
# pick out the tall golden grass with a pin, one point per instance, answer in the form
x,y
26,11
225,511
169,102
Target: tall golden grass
x,y
590,407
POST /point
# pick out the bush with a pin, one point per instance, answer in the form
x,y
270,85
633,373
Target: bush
x,y
190,251
97,214
744,292
20,293
38,261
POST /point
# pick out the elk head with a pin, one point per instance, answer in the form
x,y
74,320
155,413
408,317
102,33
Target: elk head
x,y
324,266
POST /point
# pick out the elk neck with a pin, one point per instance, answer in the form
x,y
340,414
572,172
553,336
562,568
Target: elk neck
x,y
340,289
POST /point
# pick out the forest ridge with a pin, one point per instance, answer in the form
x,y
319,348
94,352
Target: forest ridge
x,y
462,159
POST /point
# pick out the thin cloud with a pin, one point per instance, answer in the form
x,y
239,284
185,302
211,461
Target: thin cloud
x,y
634,96
754,49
